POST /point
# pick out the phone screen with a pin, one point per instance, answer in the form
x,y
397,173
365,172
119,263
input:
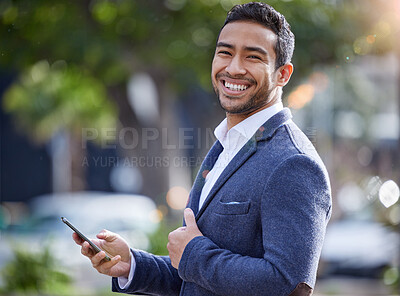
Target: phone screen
x,y
82,236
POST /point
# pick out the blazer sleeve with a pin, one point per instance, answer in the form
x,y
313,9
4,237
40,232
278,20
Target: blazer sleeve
x,y
295,208
154,275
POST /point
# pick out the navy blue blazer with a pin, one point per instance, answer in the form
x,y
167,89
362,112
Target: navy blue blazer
x,y
263,223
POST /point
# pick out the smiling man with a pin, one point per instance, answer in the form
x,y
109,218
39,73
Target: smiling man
x,y
244,74
258,210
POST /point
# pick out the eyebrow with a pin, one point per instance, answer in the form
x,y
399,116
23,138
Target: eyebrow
x,y
247,48
257,49
223,44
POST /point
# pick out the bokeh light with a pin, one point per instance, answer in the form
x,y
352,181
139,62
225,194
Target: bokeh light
x,y
105,11
203,36
156,216
175,5
177,197
301,96
351,197
362,46
383,29
10,14
319,80
371,39
364,155
394,215
349,124
372,187
390,276
389,193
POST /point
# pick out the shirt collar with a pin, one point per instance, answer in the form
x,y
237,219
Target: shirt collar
x,y
249,126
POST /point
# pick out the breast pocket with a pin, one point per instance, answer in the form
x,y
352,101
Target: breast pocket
x,y
233,208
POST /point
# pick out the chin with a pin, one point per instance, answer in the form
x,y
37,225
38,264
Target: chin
x,y
236,109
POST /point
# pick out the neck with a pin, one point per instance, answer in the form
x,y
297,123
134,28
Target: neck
x,y
234,119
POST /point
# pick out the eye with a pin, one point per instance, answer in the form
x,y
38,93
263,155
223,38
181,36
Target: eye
x,y
255,57
224,52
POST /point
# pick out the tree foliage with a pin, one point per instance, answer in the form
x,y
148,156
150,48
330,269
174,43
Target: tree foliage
x,y
31,273
48,99
104,42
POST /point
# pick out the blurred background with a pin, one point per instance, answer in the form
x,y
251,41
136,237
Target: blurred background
x,y
107,111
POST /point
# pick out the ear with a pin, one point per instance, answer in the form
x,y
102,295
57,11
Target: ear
x,y
284,74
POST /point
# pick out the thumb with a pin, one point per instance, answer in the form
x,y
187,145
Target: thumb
x,y
190,220
106,235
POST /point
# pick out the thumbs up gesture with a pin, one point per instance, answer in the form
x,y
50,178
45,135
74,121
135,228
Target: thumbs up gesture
x,y
179,238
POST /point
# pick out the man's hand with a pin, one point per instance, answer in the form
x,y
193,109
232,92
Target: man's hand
x,y
179,238
115,246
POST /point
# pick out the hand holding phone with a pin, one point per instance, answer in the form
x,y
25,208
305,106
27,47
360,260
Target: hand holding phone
x,y
95,248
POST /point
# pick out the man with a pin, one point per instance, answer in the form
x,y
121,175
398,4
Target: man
x,y
260,203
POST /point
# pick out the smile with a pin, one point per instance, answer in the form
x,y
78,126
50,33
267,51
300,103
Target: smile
x,y
235,87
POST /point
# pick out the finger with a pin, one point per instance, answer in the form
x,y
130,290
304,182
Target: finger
x,y
77,239
106,235
190,220
96,259
105,266
87,250
96,242
169,247
171,235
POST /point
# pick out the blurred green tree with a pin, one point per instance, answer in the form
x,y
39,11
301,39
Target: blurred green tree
x,y
104,42
113,39
48,99
60,100
31,273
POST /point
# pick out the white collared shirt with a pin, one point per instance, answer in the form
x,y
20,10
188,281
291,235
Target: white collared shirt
x,y
232,141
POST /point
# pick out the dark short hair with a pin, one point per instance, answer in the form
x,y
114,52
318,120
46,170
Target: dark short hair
x,y
267,16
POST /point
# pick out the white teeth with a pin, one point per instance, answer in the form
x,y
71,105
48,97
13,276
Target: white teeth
x,y
236,87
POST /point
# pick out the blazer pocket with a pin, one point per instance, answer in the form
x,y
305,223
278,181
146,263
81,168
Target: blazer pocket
x,y
232,208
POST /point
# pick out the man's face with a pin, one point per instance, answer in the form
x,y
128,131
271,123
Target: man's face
x,y
243,69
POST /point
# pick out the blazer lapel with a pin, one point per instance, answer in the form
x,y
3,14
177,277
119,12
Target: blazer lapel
x,y
248,149
206,166
265,132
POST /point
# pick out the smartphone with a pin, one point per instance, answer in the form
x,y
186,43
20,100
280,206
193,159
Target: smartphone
x,y
95,248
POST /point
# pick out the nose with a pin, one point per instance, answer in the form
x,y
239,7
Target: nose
x,y
235,67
